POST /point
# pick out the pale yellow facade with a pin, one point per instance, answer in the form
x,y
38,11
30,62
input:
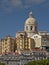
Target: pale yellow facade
x,y
7,45
23,42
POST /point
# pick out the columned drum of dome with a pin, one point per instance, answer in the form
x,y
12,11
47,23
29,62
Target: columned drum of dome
x,y
31,25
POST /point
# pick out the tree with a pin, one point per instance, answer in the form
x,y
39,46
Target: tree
x,y
38,62
2,63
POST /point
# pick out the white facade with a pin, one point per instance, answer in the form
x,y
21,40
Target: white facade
x,y
37,40
40,41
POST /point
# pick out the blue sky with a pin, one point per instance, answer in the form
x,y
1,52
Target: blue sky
x,y
13,14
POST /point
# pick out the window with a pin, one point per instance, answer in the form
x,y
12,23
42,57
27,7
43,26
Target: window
x,y
26,27
35,28
31,28
44,39
35,36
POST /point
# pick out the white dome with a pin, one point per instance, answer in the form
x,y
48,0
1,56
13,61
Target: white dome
x,y
31,25
31,19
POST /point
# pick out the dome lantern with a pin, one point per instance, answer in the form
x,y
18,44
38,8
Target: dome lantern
x,y
30,15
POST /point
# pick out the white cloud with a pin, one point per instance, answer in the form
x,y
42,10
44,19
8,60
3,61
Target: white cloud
x,y
28,3
34,2
15,3
40,1
18,3
8,5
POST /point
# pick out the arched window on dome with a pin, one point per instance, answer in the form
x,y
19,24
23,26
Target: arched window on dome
x,y
26,27
31,27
